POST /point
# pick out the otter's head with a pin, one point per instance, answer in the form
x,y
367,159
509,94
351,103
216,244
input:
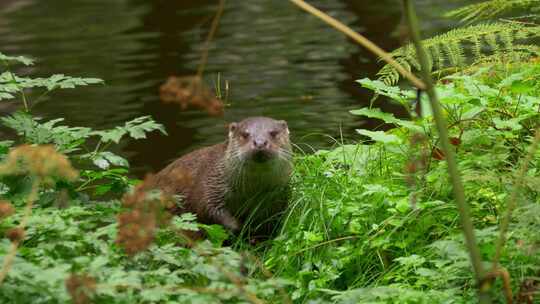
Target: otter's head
x,y
260,139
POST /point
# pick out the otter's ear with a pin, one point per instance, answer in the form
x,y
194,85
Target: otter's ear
x,y
284,125
232,127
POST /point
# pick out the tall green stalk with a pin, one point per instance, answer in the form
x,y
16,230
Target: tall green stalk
x,y
457,185
512,201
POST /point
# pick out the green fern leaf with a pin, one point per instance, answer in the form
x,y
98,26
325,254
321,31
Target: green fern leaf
x,y
489,9
464,46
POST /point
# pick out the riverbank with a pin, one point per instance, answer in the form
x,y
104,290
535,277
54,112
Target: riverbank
x,y
370,221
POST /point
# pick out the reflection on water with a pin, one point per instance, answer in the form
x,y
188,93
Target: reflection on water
x,y
279,62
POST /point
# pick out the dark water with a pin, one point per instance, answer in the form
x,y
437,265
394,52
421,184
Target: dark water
x,y
278,60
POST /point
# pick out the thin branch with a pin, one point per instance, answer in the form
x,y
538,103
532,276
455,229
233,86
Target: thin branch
x,y
213,29
505,277
372,47
457,185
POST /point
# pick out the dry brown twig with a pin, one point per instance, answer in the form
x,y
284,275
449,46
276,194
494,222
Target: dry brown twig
x,y
81,288
190,91
453,171
505,276
213,30
146,211
372,47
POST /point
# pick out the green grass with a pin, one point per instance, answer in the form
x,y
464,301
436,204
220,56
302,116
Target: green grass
x,y
357,221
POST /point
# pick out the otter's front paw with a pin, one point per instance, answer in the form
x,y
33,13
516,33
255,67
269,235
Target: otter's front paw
x,y
232,225
223,217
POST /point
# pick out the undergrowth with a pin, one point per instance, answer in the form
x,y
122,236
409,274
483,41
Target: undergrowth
x,y
378,222
368,222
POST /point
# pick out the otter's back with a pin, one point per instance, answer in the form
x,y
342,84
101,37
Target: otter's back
x,y
183,175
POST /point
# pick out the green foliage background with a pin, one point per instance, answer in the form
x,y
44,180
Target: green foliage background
x,y
361,228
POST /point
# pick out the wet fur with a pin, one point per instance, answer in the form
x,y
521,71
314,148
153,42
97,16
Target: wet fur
x,y
223,185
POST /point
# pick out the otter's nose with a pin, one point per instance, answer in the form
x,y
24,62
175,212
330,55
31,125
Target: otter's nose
x,y
260,143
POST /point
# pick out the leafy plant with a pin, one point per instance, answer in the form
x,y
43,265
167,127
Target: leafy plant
x,y
12,85
377,223
65,244
73,141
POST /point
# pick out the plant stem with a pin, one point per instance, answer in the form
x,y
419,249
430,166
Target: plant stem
x,y
10,256
25,102
512,200
23,96
457,185
363,41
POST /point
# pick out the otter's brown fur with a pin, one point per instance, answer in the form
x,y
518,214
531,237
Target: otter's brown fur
x,y
240,183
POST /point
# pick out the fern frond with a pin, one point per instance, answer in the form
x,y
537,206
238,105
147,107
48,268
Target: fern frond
x,y
521,53
464,46
490,9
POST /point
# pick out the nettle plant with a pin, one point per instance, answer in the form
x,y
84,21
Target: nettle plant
x,y
103,171
496,103
492,116
377,222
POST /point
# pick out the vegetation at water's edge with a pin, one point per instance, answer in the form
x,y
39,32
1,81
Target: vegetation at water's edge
x,y
367,222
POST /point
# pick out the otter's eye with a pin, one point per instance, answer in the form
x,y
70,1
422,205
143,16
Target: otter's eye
x,y
244,134
274,133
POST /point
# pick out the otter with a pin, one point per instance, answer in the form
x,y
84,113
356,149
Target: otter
x,y
241,184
